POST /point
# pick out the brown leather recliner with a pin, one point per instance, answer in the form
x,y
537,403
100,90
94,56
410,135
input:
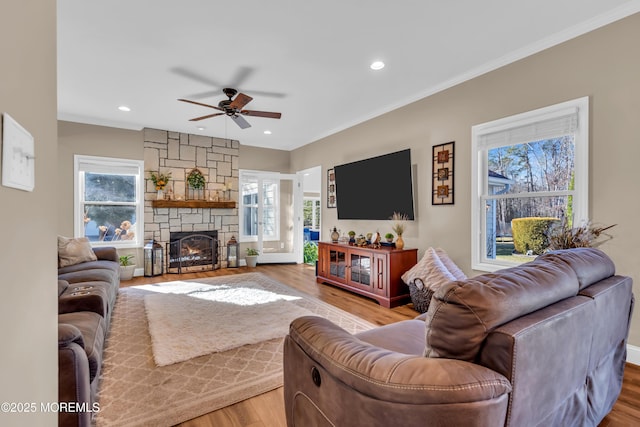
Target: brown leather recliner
x,y
539,344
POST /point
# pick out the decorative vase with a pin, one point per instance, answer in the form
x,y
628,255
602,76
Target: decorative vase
x,y
252,260
399,242
335,235
160,195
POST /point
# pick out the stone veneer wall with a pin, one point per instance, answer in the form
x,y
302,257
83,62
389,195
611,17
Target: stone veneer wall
x,y
179,153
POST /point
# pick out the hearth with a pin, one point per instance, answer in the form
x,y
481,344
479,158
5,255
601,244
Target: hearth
x,y
192,251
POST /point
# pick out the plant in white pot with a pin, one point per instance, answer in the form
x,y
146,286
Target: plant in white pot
x,y
126,267
252,257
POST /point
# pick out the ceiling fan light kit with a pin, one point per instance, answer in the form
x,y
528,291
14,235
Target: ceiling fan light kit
x,y
233,108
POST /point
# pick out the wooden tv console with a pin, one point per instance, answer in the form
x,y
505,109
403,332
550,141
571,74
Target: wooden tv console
x,y
374,273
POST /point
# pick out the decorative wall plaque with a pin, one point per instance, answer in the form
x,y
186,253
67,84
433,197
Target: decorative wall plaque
x,y
18,155
442,174
331,188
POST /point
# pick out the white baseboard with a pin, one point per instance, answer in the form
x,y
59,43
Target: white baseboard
x,y
633,354
138,272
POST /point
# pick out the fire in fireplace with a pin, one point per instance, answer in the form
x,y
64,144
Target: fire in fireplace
x,y
192,251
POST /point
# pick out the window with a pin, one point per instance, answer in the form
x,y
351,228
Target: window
x,y
109,201
259,205
532,168
311,211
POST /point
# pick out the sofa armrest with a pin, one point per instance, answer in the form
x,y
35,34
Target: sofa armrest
x,y
73,375
68,334
390,376
107,253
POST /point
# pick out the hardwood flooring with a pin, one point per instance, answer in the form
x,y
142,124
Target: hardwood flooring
x,y
267,410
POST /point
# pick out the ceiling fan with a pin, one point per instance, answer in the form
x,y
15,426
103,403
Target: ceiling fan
x,y
233,108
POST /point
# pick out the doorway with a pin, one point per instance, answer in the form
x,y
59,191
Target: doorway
x,y
270,222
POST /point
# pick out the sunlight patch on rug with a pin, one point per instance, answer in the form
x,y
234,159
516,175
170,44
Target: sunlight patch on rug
x,y
190,319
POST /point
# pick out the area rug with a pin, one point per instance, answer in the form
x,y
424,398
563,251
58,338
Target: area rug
x,y
134,391
191,319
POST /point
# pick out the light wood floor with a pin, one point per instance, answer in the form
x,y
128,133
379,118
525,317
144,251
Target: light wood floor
x,y
267,410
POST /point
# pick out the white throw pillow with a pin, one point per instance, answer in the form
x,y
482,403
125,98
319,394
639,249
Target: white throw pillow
x,y
451,266
74,251
432,273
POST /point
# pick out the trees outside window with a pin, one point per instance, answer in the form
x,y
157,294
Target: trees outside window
x,y
530,170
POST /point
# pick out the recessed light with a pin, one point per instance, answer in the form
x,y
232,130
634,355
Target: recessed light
x,y
201,128
124,108
267,132
377,65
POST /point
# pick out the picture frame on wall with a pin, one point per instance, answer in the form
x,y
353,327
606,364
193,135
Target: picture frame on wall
x,y
331,188
442,174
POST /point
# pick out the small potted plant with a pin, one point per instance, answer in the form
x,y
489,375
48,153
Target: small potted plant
x,y
399,224
196,184
389,237
160,181
126,267
252,257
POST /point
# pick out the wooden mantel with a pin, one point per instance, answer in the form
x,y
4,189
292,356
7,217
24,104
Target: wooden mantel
x,y
227,204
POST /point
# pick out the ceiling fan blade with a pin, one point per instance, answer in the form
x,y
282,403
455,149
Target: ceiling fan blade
x,y
240,101
201,104
240,121
267,114
208,116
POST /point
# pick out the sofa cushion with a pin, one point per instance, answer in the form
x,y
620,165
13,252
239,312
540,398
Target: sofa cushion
x,y
590,264
88,296
402,337
73,251
462,313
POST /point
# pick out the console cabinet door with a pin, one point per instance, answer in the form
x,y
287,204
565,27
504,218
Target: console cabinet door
x,y
338,264
360,270
381,274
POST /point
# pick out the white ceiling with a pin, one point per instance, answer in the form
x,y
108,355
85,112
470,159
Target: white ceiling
x,y
307,60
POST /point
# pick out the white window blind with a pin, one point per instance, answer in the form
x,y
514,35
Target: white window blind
x,y
533,129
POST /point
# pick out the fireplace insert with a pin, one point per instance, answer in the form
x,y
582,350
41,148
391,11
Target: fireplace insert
x,y
192,251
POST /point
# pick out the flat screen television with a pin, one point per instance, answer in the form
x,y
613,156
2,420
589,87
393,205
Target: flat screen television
x,y
375,188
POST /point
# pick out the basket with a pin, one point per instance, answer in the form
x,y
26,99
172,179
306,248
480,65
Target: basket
x,y
420,295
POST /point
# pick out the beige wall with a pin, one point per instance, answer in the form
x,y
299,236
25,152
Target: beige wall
x,y
604,65
90,140
28,307
263,159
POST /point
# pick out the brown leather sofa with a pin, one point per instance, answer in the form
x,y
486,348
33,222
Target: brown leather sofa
x,y
542,344
86,295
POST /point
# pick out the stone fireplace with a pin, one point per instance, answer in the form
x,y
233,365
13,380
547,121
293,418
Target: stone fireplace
x,y
180,153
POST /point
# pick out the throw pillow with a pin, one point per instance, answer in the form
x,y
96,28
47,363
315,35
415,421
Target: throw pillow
x,y
451,266
424,278
74,251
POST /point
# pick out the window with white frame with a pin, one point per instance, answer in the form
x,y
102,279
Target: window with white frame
x,y
531,168
311,212
109,200
259,207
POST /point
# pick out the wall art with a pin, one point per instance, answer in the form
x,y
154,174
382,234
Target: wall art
x,y
331,188
18,155
442,175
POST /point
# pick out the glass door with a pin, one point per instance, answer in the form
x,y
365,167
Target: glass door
x,y
269,216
